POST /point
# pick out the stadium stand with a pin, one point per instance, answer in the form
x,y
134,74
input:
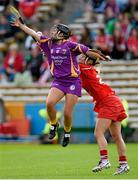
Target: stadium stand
x,y
48,7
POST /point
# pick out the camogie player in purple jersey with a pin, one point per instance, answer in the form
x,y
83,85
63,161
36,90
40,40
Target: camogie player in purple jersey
x,y
62,57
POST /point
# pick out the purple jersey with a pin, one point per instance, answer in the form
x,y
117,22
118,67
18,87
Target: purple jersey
x,y
62,58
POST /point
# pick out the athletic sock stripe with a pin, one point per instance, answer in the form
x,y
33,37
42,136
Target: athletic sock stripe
x,y
122,158
103,152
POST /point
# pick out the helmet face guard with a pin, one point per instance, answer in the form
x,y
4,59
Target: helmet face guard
x,y
65,30
60,31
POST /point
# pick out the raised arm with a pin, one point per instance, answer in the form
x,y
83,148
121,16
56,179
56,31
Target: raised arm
x,y
93,57
27,30
16,20
92,53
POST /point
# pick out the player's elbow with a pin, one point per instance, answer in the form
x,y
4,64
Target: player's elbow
x,y
36,38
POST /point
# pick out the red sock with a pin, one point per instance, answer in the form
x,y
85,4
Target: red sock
x,y
122,160
104,154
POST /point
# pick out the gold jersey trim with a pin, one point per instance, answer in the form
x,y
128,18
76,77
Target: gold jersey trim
x,y
43,40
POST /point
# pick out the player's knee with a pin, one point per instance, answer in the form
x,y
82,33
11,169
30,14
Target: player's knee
x,y
97,133
49,104
116,137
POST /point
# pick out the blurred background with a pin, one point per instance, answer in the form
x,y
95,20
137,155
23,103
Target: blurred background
x,y
108,25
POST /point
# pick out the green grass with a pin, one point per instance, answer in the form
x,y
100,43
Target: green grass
x,y
55,162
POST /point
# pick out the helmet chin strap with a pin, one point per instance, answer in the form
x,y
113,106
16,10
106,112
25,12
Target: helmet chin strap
x,y
59,36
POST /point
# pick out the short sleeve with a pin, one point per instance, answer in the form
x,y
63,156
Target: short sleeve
x,y
44,43
43,39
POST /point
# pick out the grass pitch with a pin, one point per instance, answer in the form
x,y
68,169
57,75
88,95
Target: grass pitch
x,y
31,161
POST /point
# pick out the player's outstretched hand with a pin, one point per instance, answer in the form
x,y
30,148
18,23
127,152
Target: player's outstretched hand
x,y
16,18
15,22
108,58
102,56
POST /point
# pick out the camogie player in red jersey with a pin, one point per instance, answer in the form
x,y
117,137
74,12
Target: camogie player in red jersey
x,y
110,114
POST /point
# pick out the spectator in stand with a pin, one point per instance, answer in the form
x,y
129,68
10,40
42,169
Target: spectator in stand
x,y
34,61
88,12
118,46
13,62
113,5
4,28
135,19
126,26
120,18
118,25
86,36
102,42
110,20
14,31
122,4
132,44
29,7
4,3
16,3
132,6
98,6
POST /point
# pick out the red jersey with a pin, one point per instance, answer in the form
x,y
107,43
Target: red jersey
x,y
18,63
92,83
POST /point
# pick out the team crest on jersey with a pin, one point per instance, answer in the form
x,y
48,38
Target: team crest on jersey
x,y
51,51
64,51
72,87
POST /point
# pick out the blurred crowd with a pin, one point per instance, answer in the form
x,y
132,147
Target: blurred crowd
x,y
118,37
22,62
